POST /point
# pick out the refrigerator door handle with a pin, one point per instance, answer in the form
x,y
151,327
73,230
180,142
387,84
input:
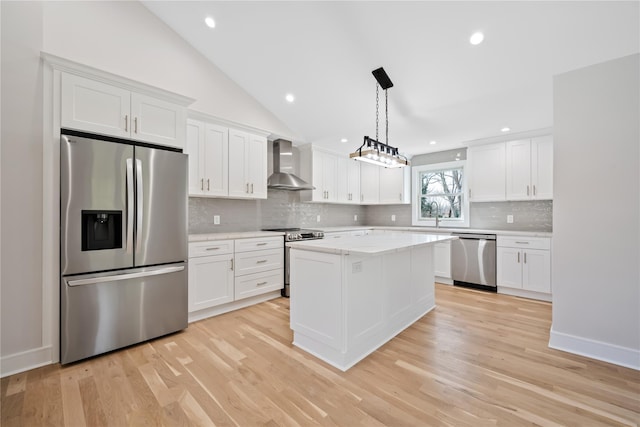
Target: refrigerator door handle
x,y
130,206
118,277
139,201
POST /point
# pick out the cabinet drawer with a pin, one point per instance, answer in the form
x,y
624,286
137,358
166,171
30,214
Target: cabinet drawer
x,y
258,261
259,283
524,242
212,247
259,243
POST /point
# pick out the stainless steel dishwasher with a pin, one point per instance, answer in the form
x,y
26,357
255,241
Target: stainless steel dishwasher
x,y
473,260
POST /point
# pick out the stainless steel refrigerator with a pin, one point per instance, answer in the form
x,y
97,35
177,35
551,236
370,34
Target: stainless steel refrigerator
x,y
123,243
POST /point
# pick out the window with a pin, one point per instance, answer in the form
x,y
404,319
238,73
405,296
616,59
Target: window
x,y
439,190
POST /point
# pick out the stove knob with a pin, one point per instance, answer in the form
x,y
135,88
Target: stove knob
x,y
318,234
296,236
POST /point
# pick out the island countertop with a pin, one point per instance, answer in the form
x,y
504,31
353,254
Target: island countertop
x,y
370,244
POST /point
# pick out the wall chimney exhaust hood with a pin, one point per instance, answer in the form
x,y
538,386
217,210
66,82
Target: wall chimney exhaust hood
x,y
283,177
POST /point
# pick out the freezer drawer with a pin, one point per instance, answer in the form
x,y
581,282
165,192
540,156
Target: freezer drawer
x,y
105,311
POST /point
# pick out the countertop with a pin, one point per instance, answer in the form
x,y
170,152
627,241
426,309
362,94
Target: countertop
x,y
371,244
201,237
232,235
437,230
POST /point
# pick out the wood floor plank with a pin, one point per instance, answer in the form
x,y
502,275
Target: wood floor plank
x,y
478,359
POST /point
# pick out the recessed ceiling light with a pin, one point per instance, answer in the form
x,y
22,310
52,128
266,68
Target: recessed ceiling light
x,y
433,143
210,22
505,129
290,98
476,38
344,140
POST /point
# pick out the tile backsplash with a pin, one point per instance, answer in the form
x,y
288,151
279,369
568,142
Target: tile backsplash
x,y
284,209
280,209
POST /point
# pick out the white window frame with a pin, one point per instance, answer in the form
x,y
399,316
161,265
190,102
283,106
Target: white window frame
x,y
416,194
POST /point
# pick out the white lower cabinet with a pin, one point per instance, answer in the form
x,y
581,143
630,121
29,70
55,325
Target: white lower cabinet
x,y
442,260
223,272
210,276
524,266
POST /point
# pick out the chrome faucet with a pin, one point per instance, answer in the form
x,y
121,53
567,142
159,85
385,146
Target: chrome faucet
x,y
437,212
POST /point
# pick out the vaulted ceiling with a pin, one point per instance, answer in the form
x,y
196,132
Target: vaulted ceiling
x,y
445,89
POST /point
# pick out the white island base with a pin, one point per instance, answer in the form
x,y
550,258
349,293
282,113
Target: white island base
x,y
350,298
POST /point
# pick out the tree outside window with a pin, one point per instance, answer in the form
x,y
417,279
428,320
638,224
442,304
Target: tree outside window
x,y
441,194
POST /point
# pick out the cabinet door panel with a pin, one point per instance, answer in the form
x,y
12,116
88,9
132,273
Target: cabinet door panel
x,y
157,121
216,160
259,283
330,177
210,281
238,155
442,259
518,173
195,136
536,271
257,164
391,185
369,184
509,267
95,107
542,167
487,173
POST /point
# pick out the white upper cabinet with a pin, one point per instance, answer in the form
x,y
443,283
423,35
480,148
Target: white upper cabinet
x,y
247,165
369,184
487,172
393,185
97,107
542,167
207,146
348,180
319,168
529,169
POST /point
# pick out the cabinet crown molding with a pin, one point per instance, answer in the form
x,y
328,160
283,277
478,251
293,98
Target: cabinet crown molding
x,y
209,118
72,67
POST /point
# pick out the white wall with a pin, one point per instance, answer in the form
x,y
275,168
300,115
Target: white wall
x,y
21,169
596,212
119,37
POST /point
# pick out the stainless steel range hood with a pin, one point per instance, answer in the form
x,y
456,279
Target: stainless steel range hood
x,y
283,177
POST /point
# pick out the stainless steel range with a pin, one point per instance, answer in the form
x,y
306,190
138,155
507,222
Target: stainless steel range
x,y
294,235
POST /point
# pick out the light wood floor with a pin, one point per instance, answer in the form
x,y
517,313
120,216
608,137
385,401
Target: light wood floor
x,y
478,359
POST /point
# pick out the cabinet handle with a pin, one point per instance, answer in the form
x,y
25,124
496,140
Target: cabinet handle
x,y
361,197
213,249
469,194
126,123
518,257
231,264
534,190
202,184
261,261
525,257
261,283
135,125
247,188
400,196
208,186
261,244
522,243
252,188
527,190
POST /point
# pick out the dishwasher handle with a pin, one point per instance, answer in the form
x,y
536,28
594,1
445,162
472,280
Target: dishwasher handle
x,y
474,236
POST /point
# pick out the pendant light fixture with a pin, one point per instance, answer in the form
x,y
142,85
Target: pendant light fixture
x,y
372,150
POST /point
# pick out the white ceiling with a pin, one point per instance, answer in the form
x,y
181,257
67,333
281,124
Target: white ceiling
x,y
445,89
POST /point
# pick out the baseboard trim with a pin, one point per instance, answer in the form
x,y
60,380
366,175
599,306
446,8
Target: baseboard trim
x,y
231,306
524,293
24,361
610,353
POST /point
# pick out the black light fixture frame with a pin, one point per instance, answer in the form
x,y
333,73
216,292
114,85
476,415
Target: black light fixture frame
x,y
381,147
382,78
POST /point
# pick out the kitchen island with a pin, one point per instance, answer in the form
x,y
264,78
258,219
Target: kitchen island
x,y
350,296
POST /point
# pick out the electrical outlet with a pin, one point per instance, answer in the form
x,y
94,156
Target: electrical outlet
x,y
355,217
509,219
216,220
318,218
356,267
393,218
